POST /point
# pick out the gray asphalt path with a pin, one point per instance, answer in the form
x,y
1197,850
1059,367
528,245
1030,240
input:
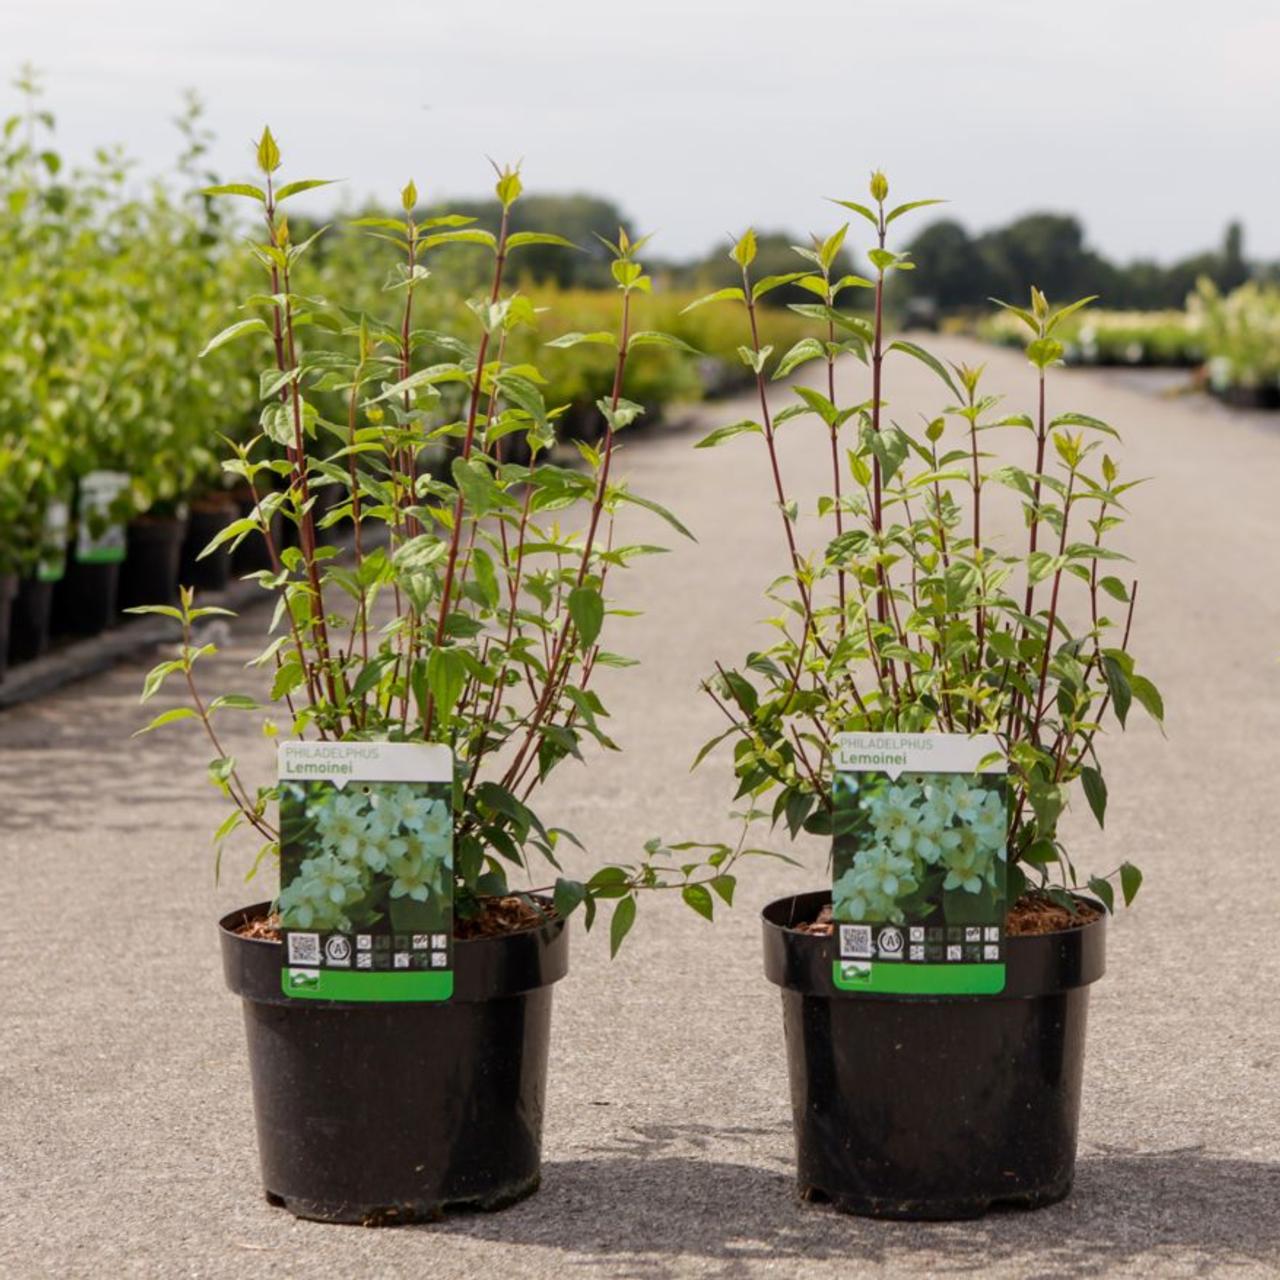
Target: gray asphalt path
x,y
126,1140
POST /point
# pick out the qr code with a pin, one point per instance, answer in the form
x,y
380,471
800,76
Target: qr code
x,y
304,948
855,941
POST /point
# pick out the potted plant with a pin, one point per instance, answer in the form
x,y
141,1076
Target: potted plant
x,y
913,617
469,616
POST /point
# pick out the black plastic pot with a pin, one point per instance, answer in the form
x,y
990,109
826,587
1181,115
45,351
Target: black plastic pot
x,y
382,1114
29,620
1239,396
8,590
84,598
153,547
204,523
934,1107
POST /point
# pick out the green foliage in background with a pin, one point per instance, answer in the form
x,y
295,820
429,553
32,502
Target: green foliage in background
x,y
104,298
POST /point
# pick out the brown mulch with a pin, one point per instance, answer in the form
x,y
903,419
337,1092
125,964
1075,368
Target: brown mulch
x,y
821,927
1031,914
1035,914
500,916
503,915
260,928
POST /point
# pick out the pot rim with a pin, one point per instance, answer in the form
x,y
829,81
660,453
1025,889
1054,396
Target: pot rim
x,y
1037,964
484,968
229,922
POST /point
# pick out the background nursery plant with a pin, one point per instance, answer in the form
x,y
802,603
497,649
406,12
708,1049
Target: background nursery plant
x,y
912,614
471,609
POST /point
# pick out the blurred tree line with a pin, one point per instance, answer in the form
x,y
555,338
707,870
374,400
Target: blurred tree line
x,y
956,272
959,272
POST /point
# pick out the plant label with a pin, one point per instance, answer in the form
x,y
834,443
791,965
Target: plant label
x,y
366,871
920,832
99,538
53,543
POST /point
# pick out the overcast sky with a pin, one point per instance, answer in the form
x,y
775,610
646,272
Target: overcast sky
x,y
1156,122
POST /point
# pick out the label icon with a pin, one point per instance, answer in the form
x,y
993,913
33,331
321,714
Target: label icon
x,y
889,942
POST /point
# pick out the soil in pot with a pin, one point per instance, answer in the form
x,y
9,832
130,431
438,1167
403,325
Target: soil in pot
x,y
208,517
29,619
389,1113
933,1107
153,547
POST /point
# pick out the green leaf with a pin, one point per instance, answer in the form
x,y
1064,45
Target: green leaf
x,y
472,235
163,610
1102,890
1070,309
523,238
744,251
699,898
652,338
658,509
586,608
906,208
1148,696
307,184
475,484
167,717
221,769
567,896
1118,684
368,677
567,340
724,885
768,283
805,350
385,224
1095,790
236,189
860,209
734,294
1044,351
236,529
446,674
234,702
289,675
721,434
1130,882
1083,420
157,676
925,358
624,916
486,576
234,331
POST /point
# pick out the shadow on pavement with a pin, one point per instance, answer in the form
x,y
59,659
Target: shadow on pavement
x,y
649,1212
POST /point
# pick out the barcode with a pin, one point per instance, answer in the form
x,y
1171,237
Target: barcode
x,y
304,948
855,941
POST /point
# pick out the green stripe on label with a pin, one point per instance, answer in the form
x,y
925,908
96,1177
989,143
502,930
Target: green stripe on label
x,y
100,555
355,986
899,978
